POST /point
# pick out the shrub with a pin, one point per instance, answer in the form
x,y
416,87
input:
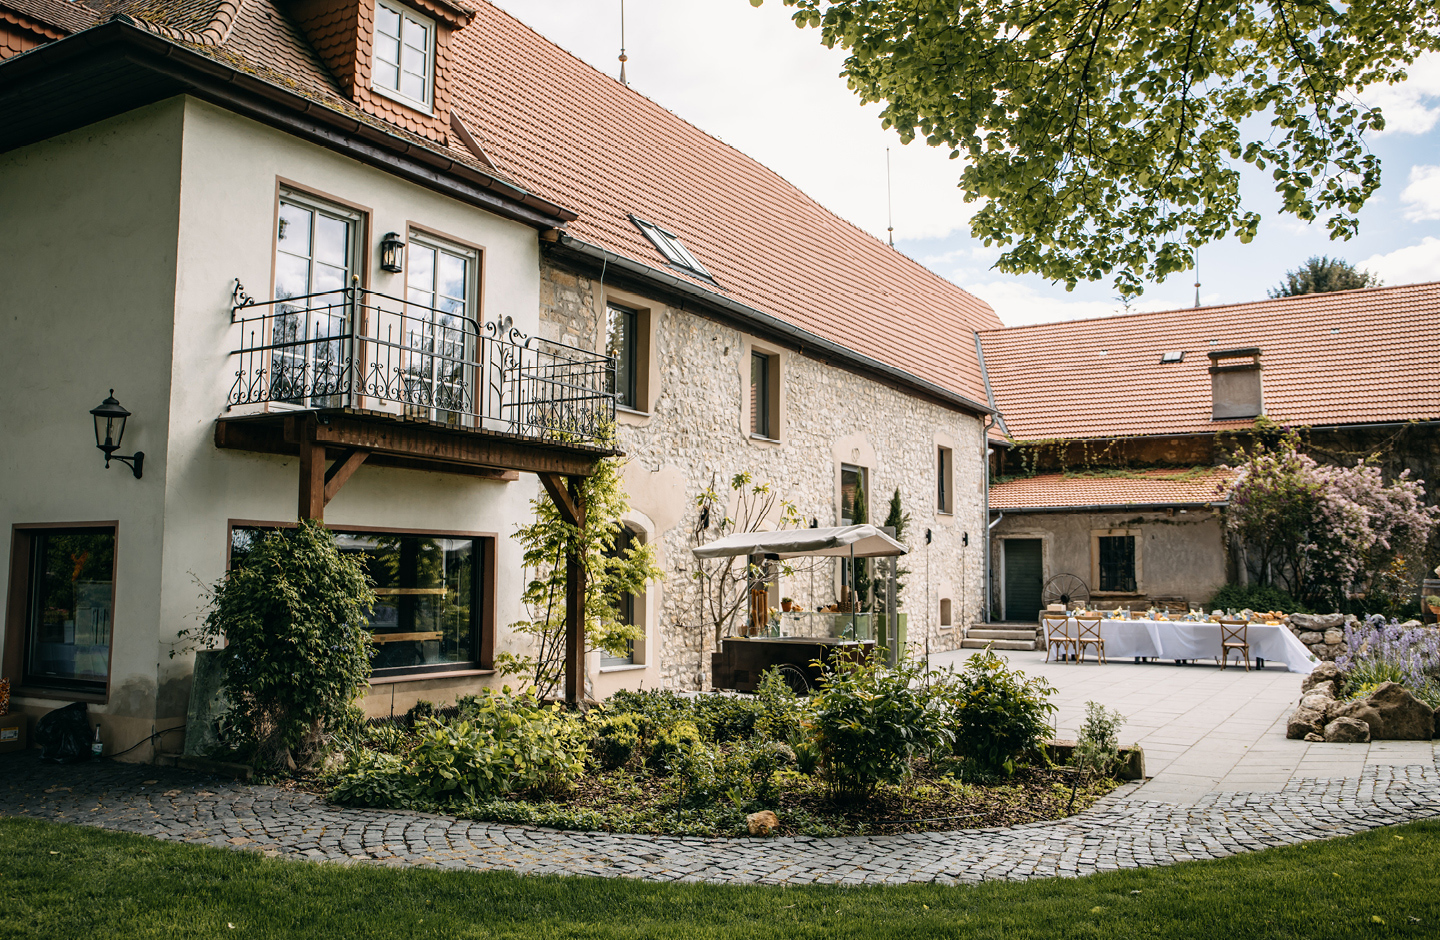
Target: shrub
x,y
1376,652
869,721
1254,597
372,778
998,715
501,744
616,739
1098,746
772,713
672,746
296,651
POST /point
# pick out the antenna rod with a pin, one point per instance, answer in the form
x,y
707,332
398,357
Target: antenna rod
x,y
889,203
623,57
1195,253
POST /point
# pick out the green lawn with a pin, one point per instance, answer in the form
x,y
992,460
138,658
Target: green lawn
x,y
60,881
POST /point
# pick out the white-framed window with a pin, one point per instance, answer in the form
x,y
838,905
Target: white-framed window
x,y
439,328
316,255
404,56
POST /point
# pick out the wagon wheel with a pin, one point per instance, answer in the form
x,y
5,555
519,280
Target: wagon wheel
x,y
1065,589
794,677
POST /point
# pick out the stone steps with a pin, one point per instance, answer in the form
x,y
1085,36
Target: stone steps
x,y
1000,637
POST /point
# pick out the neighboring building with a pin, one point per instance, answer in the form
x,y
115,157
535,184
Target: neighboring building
x,y
200,200
1116,427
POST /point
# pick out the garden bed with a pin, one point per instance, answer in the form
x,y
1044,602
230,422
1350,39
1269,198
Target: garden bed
x,y
877,750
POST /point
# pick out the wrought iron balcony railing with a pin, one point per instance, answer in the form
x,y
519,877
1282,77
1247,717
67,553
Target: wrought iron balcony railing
x,y
357,348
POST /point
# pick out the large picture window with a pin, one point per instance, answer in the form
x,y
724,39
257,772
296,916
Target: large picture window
x,y
430,596
70,599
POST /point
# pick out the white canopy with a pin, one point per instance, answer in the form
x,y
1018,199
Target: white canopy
x,y
868,541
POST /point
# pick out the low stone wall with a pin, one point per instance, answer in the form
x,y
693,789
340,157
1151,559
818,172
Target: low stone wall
x,y
1324,634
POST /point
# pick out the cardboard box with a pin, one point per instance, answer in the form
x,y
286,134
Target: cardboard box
x,y
12,733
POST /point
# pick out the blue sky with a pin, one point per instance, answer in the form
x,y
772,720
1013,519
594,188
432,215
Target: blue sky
x,y
751,78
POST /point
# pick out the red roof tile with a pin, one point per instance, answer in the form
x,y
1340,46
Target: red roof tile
x,y
1349,357
1195,487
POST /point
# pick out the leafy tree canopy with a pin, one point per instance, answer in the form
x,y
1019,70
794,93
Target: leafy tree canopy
x,y
1320,275
1107,139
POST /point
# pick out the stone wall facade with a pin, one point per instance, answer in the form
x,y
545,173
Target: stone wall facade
x,y
691,431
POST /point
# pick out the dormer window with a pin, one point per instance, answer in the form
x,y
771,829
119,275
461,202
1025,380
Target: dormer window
x,y
1235,387
670,246
404,65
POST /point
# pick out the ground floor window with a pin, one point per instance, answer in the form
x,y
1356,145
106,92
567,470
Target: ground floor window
x,y
624,604
430,596
70,599
1116,560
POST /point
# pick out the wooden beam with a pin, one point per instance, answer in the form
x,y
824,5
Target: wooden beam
x,y
575,589
312,472
572,510
342,470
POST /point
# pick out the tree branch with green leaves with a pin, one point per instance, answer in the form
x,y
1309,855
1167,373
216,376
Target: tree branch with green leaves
x,y
1107,138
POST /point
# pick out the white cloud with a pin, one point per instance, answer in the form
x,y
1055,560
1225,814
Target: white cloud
x,y
1413,106
1411,265
751,78
1422,196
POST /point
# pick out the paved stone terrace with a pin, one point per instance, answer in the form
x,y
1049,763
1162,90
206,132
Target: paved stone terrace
x,y
1125,830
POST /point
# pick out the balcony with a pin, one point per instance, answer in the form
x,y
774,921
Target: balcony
x,y
412,385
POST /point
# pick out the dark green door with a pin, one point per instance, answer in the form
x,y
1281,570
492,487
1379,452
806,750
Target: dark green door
x,y
1022,579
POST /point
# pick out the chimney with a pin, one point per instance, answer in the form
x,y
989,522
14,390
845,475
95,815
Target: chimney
x,y
1235,387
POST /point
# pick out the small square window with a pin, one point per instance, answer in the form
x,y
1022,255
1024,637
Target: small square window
x,y
404,56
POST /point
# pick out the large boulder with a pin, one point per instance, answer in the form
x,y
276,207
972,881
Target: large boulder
x,y
1325,672
1360,710
1347,731
1305,721
1318,621
1403,717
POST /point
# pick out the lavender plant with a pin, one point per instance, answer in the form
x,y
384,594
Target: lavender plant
x,y
1376,652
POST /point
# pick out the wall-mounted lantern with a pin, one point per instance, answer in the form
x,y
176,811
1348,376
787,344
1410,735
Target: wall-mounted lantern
x,y
392,253
110,430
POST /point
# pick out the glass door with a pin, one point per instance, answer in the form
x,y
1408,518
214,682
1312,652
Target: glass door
x,y
314,261
439,339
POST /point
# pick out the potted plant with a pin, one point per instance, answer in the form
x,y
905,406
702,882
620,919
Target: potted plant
x,y
1433,602
786,603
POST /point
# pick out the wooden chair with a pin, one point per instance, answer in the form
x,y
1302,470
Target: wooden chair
x,y
1088,634
1058,632
1233,636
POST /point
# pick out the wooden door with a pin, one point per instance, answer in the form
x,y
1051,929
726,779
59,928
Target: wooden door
x,y
1023,579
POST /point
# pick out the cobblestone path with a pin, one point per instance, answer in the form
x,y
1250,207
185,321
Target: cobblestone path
x,y
1122,831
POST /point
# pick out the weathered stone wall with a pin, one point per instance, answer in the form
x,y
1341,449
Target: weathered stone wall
x,y
695,434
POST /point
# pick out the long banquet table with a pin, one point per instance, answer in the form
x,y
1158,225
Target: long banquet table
x,y
1191,640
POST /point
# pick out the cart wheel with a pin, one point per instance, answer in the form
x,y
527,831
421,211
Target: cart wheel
x,y
794,677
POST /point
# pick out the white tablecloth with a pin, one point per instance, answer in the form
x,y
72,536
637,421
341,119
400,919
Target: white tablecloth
x,y
1184,639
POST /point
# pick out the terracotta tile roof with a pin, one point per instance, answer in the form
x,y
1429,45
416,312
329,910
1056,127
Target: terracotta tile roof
x,y
1164,487
1349,357
586,141
69,17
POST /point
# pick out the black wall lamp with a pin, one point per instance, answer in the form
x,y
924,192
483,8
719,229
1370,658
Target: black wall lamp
x,y
392,253
110,430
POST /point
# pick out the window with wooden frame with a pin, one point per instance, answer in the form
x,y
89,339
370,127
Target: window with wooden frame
x,y
434,595
764,395
944,480
62,605
1115,561
622,336
403,63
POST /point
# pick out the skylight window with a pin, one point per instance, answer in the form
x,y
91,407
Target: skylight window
x,y
1174,355
670,246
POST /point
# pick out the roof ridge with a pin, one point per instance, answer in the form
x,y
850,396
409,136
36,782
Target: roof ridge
x,y
214,33
949,284
1313,295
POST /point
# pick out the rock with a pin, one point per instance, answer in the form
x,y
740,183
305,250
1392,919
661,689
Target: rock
x,y
1437,722
1310,637
1360,711
1325,672
1410,625
1347,731
1317,648
1403,717
1313,737
762,823
1332,650
1304,721
1317,621
1334,637
1326,688
1316,699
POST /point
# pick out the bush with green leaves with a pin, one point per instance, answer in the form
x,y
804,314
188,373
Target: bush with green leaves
x,y
996,715
373,778
616,739
672,746
870,720
774,712
1254,597
291,621
1097,747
